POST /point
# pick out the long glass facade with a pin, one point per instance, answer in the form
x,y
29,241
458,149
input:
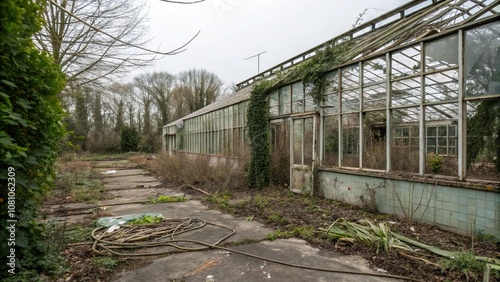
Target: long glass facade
x,y
398,112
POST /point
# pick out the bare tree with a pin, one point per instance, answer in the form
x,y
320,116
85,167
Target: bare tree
x,y
179,103
200,88
76,34
159,86
92,40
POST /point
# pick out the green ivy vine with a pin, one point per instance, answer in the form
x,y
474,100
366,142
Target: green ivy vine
x,y
30,132
311,73
258,131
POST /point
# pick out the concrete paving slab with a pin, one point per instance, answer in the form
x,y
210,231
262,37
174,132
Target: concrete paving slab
x,y
127,192
245,230
227,266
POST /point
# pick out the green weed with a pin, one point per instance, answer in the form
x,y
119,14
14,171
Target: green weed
x,y
277,218
146,219
78,234
168,199
106,262
261,201
465,263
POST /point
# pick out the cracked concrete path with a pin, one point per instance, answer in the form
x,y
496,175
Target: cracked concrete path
x,y
128,191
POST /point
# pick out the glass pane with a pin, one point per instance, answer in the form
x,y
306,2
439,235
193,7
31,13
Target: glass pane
x,y
405,145
441,53
350,77
374,132
350,140
440,117
350,100
331,82
483,150
441,86
298,131
431,131
310,105
406,62
374,71
298,106
452,130
442,131
406,92
273,99
284,94
374,96
331,103
308,141
297,91
331,133
280,153
482,60
298,97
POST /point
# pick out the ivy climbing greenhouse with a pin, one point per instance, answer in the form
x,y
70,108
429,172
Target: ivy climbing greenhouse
x,y
400,115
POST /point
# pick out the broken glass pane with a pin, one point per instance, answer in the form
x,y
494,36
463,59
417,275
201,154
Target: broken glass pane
x,y
374,132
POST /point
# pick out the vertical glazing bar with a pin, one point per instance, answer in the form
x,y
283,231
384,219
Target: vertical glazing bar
x,y
462,111
421,135
341,139
388,113
302,142
321,152
361,139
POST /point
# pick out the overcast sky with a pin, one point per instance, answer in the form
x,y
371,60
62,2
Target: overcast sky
x,y
232,30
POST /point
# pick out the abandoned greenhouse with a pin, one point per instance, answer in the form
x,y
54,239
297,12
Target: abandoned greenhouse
x,y
401,115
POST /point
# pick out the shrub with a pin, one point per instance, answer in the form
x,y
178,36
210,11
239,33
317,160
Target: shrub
x,y
30,128
435,162
129,139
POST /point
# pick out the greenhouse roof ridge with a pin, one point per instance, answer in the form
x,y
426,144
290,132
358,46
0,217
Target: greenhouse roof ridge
x,y
411,21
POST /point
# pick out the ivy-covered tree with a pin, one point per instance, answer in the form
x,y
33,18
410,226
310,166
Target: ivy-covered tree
x,y
30,127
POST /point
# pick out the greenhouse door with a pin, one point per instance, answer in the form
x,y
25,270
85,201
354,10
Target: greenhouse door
x,y
302,154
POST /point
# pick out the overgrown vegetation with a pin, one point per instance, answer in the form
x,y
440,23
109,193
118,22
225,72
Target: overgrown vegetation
x,y
466,264
311,73
30,127
258,131
200,171
168,199
74,181
108,263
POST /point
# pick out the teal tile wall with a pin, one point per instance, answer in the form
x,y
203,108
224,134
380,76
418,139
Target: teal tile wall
x,y
459,209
